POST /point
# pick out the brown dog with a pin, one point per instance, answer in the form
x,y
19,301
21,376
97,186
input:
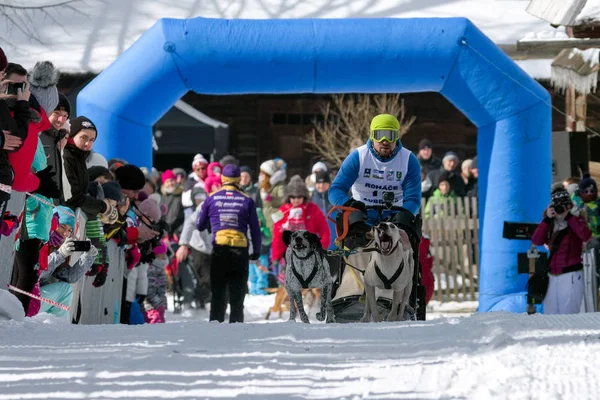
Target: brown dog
x,y
282,301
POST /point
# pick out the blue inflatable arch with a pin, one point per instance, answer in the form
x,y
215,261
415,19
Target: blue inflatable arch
x,y
450,56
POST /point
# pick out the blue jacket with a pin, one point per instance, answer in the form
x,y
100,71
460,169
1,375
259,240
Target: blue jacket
x,y
230,213
348,174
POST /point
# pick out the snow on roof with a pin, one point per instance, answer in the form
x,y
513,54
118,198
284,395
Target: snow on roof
x,y
537,69
590,11
91,35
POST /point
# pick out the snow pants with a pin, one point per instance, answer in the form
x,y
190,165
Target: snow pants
x,y
565,293
155,316
258,279
25,275
60,292
228,269
201,263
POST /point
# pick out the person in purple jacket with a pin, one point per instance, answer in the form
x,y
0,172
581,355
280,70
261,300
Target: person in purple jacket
x,y
229,213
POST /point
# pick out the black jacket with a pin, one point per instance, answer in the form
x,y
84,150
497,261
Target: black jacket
x,y
454,179
77,175
50,139
18,126
175,216
432,164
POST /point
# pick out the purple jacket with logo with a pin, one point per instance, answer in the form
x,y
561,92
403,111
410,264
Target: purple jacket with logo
x,y
230,209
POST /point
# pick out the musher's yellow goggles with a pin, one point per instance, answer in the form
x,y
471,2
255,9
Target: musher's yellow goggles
x,y
387,135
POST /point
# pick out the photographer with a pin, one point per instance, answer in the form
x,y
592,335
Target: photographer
x,y
564,234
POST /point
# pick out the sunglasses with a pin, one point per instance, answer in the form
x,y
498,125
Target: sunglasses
x,y
387,135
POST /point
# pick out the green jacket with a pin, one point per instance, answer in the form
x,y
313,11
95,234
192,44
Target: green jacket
x,y
593,212
38,216
435,205
267,237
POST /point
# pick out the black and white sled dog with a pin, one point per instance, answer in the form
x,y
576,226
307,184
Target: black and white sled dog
x,y
307,268
391,268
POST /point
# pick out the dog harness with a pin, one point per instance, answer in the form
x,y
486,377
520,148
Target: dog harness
x,y
387,283
305,282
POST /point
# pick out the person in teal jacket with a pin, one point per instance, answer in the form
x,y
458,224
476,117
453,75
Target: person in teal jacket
x,y
258,274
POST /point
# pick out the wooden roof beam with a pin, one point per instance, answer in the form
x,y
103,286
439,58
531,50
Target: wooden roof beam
x,y
556,45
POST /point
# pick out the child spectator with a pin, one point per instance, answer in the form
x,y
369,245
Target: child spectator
x,y
564,234
156,299
442,197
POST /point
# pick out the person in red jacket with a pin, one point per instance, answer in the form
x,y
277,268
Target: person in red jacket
x,y
564,234
297,213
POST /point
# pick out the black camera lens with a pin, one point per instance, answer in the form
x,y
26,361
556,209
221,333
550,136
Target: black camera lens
x,y
559,209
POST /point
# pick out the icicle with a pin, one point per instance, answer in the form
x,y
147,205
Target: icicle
x,y
564,77
577,68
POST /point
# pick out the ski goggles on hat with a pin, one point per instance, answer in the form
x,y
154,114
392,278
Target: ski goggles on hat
x,y
387,135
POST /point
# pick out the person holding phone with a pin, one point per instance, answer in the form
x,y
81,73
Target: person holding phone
x,y
56,277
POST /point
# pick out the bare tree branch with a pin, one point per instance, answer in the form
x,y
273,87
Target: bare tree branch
x,y
41,7
346,121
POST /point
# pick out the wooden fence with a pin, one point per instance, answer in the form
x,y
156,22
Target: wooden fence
x,y
453,226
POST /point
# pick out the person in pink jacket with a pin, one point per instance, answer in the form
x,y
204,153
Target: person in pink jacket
x,y
564,234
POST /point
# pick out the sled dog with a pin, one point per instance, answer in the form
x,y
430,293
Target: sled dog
x,y
307,268
392,267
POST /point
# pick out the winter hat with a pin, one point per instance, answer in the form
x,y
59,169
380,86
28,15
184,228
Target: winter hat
x,y
112,191
43,79
210,170
65,216
160,249
151,209
179,171
586,182
63,104
385,122
248,170
3,60
443,177
96,159
97,171
130,177
466,165
296,187
198,160
269,167
425,144
319,166
450,155
560,195
79,123
168,174
281,164
229,159
322,177
211,182
198,193
231,174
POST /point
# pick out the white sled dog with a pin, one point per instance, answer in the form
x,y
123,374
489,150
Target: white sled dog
x,y
393,268
306,268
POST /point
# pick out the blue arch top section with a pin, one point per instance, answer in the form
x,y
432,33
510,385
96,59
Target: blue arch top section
x,y
450,56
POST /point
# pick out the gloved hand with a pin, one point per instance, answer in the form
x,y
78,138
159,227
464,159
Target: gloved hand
x,y
48,188
145,233
141,298
93,271
9,223
92,252
110,215
356,204
67,248
101,277
254,256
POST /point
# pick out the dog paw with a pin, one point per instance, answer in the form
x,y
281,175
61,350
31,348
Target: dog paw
x,y
377,318
292,320
320,316
365,319
304,319
330,320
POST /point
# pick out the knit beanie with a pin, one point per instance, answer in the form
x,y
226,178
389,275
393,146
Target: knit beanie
x,y
296,187
65,216
231,174
322,177
160,249
96,159
320,166
443,177
97,171
269,167
198,193
79,123
151,209
179,171
248,170
3,60
449,155
560,195
425,144
43,79
586,182
229,159
63,104
112,190
130,177
168,174
199,160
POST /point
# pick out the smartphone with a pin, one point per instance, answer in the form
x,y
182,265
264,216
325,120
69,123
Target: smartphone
x,y
12,88
82,245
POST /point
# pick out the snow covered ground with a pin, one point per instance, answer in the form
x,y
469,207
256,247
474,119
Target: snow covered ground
x,y
483,356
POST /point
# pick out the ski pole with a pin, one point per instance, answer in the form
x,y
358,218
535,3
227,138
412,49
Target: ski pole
x,y
33,296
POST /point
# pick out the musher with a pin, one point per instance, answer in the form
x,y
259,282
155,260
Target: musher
x,y
230,213
382,174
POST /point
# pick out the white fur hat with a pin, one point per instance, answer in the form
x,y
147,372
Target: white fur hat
x,y
319,166
269,167
96,159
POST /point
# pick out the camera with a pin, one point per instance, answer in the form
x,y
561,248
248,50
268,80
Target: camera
x,y
559,208
388,199
12,88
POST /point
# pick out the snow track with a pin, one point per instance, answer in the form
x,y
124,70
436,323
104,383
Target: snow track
x,y
486,356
